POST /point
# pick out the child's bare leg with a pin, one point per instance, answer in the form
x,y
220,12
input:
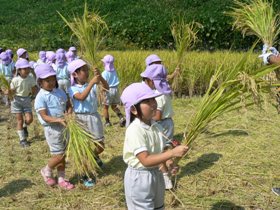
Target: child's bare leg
x,y
28,118
99,148
19,118
106,115
119,114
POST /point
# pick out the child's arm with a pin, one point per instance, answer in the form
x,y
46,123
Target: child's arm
x,y
34,90
83,95
50,119
171,76
150,160
104,83
69,108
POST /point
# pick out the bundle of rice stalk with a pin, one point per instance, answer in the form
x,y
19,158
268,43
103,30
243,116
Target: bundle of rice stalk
x,y
237,90
256,18
90,30
80,147
185,36
4,82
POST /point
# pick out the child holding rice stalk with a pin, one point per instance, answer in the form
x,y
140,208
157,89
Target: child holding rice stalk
x,y
83,95
143,149
112,96
155,77
50,104
22,87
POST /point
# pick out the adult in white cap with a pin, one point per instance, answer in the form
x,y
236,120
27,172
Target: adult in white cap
x,y
22,88
50,105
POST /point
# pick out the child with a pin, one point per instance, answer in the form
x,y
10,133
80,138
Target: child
x,y
62,73
143,149
22,53
70,56
50,58
74,50
154,59
112,96
155,77
84,100
7,69
42,57
22,86
50,105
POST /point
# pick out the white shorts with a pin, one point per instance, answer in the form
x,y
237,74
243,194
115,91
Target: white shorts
x,y
93,125
144,189
112,97
64,84
56,139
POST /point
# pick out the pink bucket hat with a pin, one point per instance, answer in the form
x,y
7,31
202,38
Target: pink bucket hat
x,y
72,48
44,70
73,66
108,61
22,63
152,58
5,58
158,74
50,55
135,93
21,51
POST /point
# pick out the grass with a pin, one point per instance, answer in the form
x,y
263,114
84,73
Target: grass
x,y
234,163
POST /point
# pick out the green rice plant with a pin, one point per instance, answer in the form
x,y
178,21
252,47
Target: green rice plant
x,y
256,18
90,30
235,91
80,147
185,36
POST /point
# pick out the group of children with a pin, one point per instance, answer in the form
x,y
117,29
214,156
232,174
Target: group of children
x,y
63,85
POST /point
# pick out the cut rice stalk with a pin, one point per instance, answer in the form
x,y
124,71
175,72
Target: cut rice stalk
x,y
80,147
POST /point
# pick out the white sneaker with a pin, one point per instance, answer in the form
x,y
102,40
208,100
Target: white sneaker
x,y
167,181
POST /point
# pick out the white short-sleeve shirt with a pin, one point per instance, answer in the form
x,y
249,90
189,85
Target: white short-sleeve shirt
x,y
140,137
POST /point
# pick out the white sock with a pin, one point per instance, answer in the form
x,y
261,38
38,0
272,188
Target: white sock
x,y
21,134
61,176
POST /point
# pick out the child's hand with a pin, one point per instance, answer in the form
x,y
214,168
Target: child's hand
x,y
5,91
172,167
61,121
96,79
96,72
179,151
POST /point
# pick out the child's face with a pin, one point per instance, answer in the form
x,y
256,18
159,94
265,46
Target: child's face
x,y
24,72
82,75
148,108
48,83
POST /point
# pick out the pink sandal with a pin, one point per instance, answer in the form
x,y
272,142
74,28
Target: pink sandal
x,y
48,180
66,185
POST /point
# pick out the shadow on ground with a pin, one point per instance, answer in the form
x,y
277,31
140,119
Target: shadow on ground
x,y
203,162
14,187
232,132
226,205
115,165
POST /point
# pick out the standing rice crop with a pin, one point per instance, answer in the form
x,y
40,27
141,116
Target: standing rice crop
x,y
239,88
256,18
80,147
185,36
